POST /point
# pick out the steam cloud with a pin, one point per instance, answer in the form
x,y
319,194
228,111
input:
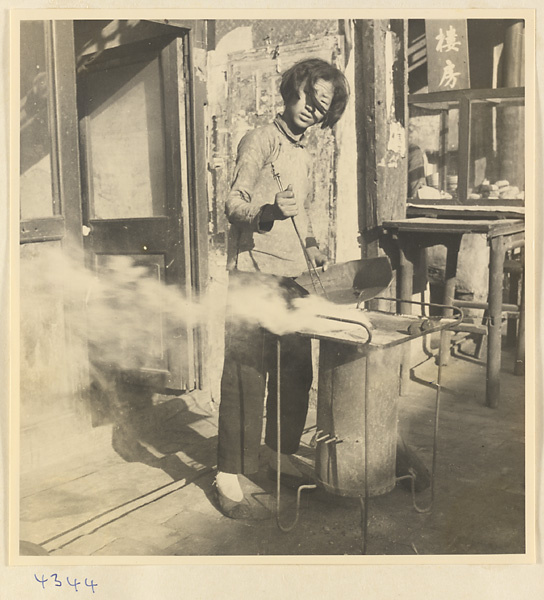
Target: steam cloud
x,y
121,310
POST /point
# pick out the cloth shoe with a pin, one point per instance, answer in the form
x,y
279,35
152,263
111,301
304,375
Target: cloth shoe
x,y
231,508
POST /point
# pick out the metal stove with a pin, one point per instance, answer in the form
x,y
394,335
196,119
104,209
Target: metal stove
x,y
358,386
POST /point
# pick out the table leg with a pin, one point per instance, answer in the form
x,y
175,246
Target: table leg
x,y
406,289
406,280
514,282
449,295
519,367
494,336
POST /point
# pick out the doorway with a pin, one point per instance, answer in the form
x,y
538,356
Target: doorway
x,y
138,209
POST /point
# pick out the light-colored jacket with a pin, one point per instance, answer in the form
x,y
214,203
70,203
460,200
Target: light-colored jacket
x,y
250,247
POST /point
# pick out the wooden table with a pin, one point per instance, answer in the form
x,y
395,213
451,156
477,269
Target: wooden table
x,y
472,211
415,234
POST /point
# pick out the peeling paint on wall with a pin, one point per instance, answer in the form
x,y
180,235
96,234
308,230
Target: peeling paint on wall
x,y
396,144
347,219
200,58
271,32
389,87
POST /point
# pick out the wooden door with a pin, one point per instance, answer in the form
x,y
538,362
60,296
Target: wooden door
x,y
133,122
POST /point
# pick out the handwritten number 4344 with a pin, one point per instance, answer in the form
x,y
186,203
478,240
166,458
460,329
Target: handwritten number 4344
x,y
55,581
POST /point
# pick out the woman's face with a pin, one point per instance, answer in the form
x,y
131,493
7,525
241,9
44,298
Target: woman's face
x,y
301,113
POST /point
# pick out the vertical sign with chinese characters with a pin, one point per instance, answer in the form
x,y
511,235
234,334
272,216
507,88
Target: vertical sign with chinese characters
x,y
447,55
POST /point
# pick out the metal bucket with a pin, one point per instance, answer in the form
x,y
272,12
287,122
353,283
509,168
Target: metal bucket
x,y
357,383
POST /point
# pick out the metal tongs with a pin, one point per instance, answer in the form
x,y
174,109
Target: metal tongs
x,y
312,271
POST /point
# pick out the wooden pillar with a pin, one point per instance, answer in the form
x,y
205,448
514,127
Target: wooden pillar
x,y
66,142
496,266
519,367
67,131
381,115
199,200
510,119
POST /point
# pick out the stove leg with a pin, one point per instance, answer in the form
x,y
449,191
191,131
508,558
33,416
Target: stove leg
x,y
435,438
406,291
364,499
283,528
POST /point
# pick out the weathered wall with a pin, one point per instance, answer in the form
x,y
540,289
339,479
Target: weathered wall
x,y
271,32
380,76
347,236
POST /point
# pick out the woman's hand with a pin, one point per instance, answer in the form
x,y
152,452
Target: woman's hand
x,y
317,258
285,204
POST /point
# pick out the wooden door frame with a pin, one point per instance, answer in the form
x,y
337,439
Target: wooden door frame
x,y
196,49
67,219
193,33
198,196
196,101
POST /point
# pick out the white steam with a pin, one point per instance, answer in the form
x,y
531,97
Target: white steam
x,y
265,304
124,314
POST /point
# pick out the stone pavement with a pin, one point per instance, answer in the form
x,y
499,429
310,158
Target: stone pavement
x,y
153,497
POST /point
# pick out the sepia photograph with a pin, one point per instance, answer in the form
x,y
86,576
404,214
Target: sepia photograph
x,y
272,279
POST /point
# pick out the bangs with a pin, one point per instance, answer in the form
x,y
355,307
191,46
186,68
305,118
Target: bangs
x,y
306,73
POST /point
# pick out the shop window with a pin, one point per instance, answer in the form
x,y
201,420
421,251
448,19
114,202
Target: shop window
x,y
467,146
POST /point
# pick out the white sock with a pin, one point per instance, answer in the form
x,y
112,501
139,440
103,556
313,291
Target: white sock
x,y
229,486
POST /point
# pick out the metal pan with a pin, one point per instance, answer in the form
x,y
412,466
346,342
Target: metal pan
x,y
350,282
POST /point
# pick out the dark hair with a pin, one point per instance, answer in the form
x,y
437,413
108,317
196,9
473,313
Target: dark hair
x,y
307,72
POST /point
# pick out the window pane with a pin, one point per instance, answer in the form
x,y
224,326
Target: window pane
x,y
36,171
127,141
497,161
433,150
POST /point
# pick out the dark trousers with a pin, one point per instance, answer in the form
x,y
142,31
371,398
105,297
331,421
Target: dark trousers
x,y
251,356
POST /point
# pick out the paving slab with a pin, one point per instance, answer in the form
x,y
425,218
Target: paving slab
x,y
158,500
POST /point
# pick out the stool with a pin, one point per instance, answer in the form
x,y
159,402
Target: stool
x,y
515,269
515,309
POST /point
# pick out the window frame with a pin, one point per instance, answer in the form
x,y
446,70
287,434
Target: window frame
x,y
62,113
